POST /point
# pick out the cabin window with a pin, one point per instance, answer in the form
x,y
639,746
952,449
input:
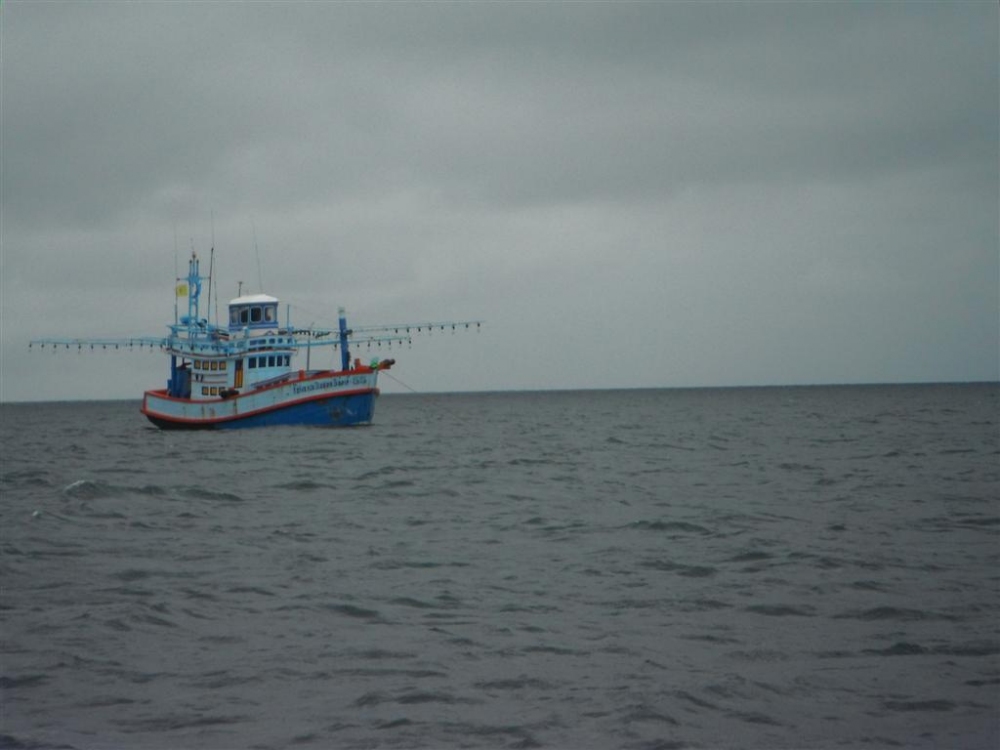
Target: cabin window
x,y
214,365
270,361
244,315
197,364
234,316
252,363
288,360
214,391
204,390
255,315
269,314
222,366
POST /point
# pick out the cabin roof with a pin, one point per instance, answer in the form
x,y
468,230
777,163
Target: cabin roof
x,y
251,299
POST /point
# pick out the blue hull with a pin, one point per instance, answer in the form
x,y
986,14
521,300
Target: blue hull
x,y
335,411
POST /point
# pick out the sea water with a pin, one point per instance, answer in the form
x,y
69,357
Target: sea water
x,y
736,568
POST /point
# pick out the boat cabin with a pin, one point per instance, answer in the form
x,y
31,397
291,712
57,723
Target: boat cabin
x,y
269,349
253,311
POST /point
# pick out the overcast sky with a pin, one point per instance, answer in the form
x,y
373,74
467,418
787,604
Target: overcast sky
x,y
629,194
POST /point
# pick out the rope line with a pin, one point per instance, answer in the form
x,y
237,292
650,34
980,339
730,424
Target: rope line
x,y
387,374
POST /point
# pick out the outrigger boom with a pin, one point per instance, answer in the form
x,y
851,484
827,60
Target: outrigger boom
x,y
242,374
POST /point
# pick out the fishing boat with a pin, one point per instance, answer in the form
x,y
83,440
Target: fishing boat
x,y
246,373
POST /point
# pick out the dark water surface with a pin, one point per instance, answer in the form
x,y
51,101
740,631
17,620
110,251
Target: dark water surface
x,y
756,568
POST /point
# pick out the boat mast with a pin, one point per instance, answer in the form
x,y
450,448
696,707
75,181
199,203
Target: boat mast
x,y
345,355
194,291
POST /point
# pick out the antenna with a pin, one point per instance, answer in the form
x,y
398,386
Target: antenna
x,y
216,295
260,278
211,267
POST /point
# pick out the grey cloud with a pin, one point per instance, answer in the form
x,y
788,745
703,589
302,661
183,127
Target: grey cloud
x,y
510,104
710,161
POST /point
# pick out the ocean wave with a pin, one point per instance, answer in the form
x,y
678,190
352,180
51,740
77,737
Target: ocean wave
x,y
242,589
